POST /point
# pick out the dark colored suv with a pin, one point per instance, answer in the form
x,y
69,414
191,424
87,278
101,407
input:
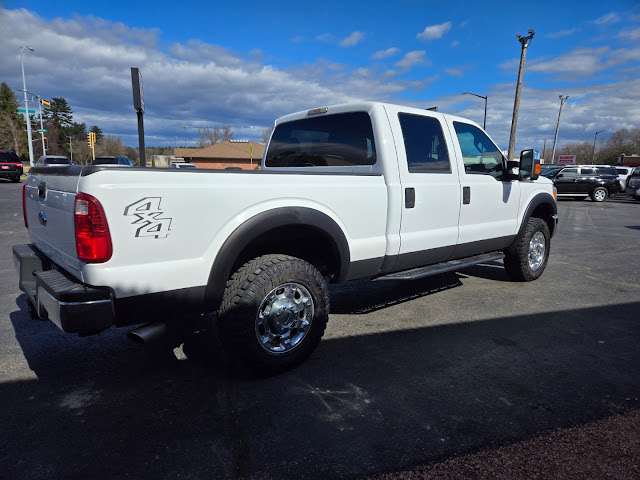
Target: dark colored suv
x,y
10,166
633,185
581,181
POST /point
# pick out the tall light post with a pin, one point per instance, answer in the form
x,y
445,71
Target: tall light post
x,y
26,106
555,139
593,155
484,125
525,41
185,134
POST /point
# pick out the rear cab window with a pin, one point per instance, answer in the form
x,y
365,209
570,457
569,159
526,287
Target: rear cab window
x,y
337,140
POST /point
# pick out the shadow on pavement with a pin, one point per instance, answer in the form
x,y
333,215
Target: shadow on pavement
x,y
103,407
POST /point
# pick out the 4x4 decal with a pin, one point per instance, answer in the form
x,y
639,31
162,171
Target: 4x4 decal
x,y
148,218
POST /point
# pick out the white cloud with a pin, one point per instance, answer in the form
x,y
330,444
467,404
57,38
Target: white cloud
x,y
562,33
352,40
389,52
434,31
455,72
608,19
411,59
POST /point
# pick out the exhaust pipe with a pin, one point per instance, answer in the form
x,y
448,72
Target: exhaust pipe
x,y
148,332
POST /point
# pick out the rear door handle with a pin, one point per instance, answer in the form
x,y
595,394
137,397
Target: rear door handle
x,y
409,197
466,195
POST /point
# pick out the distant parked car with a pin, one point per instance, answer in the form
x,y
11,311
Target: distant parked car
x,y
115,161
52,160
624,173
182,165
633,184
10,165
580,181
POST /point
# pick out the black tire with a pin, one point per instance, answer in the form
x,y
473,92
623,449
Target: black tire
x,y
15,179
524,261
274,312
599,194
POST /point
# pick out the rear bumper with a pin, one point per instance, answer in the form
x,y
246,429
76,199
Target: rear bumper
x,y
10,172
73,306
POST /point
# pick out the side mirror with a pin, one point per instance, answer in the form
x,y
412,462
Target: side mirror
x,y
529,165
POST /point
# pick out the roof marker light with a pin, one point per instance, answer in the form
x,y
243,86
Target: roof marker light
x,y
316,111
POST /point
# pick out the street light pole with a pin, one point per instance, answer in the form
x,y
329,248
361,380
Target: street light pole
x,y
26,106
555,139
593,155
70,146
525,41
484,125
185,135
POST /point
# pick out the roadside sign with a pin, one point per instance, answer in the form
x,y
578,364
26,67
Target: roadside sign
x,y
566,159
31,112
42,130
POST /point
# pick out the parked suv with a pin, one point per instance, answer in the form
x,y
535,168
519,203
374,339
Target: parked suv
x,y
10,166
52,160
581,181
633,183
624,173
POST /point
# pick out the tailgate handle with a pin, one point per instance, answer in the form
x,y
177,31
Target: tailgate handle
x,y
42,190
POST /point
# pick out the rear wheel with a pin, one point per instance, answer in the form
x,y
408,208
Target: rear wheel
x,y
599,194
274,312
527,257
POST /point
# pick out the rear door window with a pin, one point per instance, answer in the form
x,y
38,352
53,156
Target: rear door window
x,y
424,144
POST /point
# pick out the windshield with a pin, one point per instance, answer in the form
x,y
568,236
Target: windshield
x,y
57,161
550,172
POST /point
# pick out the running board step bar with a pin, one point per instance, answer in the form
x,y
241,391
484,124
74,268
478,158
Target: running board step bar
x,y
443,267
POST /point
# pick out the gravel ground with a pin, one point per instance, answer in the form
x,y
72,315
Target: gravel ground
x,y
606,449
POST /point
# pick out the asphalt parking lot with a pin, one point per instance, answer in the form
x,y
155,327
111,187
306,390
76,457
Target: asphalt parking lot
x,y
408,373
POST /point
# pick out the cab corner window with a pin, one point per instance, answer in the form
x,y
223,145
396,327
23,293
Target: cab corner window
x,y
424,144
479,153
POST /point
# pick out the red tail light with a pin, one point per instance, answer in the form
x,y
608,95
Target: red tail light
x,y
93,241
24,205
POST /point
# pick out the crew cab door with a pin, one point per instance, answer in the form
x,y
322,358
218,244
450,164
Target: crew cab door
x,y
430,187
490,204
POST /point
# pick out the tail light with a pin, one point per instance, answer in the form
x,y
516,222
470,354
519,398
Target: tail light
x,y
93,241
24,205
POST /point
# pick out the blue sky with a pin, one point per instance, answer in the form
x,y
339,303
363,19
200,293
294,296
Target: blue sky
x,y
244,64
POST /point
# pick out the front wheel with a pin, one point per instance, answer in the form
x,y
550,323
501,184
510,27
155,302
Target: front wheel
x,y
527,257
599,194
274,312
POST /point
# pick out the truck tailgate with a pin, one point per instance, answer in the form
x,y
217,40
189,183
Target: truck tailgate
x,y
49,202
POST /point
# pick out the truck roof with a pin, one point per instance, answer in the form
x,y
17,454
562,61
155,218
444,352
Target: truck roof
x,y
367,106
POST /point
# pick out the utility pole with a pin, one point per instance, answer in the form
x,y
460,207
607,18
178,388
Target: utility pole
x,y
553,152
70,146
26,107
185,135
525,41
593,155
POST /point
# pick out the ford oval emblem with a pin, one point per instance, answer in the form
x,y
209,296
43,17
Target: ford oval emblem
x,y
43,218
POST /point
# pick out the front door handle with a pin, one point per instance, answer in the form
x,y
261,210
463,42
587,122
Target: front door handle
x,y
466,195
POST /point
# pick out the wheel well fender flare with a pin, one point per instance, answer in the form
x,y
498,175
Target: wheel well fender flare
x,y
541,199
260,224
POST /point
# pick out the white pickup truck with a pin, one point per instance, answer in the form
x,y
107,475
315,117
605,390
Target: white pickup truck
x,y
345,192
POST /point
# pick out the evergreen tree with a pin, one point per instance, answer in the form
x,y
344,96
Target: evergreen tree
x,y
98,131
59,113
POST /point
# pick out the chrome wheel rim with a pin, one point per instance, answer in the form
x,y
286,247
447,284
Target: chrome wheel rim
x,y
284,318
600,195
537,247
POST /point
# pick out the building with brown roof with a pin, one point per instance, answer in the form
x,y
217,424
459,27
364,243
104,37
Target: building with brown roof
x,y
226,154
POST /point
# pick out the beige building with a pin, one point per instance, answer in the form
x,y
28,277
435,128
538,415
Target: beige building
x,y
226,154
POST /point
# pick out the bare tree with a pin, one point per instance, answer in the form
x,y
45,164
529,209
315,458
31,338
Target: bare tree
x,y
10,133
266,134
211,136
